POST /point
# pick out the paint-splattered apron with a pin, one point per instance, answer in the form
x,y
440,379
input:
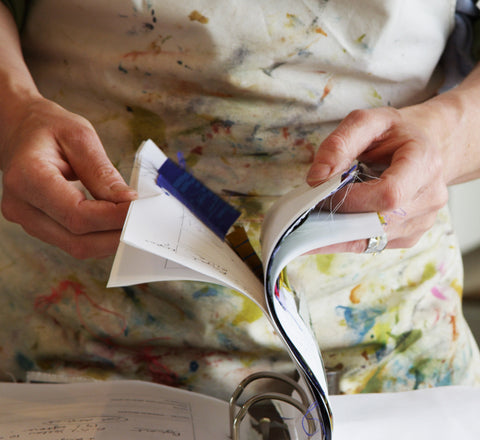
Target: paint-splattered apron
x,y
245,91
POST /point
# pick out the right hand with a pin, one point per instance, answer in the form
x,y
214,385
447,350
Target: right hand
x,y
43,150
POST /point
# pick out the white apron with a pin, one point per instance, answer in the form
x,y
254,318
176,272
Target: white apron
x,y
245,90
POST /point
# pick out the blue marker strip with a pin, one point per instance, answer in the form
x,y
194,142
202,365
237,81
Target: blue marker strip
x,y
211,209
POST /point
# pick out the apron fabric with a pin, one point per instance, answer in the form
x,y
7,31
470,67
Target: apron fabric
x,y
245,92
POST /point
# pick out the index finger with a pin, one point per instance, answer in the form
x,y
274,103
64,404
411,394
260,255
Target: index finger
x,y
354,135
50,192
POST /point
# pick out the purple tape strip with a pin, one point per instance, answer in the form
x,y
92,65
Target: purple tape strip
x,y
211,209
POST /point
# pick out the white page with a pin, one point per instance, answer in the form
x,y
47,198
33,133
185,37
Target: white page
x,y
182,238
442,413
135,266
288,209
300,335
177,246
322,229
116,410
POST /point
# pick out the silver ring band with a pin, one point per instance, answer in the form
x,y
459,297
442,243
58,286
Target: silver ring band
x,y
376,244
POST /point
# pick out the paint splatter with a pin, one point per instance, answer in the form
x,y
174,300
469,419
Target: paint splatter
x,y
438,294
324,262
197,16
360,320
205,293
406,340
249,312
355,294
428,272
145,124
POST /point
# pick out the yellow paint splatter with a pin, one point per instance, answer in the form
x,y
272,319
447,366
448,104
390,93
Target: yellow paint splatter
x,y
197,16
382,219
319,30
249,313
293,20
376,95
457,286
146,124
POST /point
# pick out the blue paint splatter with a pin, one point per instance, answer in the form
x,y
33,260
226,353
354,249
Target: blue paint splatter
x,y
227,342
360,320
205,292
193,366
25,363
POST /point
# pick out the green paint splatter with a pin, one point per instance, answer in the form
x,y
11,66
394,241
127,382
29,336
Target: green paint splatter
x,y
146,124
360,38
375,383
406,340
324,262
376,95
428,272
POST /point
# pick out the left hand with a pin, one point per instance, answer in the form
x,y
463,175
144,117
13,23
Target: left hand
x,y
413,186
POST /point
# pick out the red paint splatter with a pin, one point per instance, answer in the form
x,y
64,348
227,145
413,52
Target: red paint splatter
x,y
43,302
285,133
299,142
197,150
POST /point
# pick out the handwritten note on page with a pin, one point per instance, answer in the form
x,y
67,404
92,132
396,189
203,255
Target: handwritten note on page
x,y
117,410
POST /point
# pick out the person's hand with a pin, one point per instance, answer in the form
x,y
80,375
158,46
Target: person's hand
x,y
406,145
43,150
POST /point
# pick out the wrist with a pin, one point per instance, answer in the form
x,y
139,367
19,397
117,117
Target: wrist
x,y
449,123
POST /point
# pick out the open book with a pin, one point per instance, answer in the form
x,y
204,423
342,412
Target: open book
x,y
134,410
163,240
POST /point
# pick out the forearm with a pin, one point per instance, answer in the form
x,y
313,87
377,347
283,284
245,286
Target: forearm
x,y
455,124
16,83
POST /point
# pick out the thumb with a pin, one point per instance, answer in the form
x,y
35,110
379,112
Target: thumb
x,y
354,135
94,169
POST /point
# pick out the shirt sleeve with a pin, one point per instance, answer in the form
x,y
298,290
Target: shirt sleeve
x,y
462,51
18,8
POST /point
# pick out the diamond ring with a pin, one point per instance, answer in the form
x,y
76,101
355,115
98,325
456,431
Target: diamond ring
x,y
376,244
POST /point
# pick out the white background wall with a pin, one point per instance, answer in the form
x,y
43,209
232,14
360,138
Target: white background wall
x,y
465,207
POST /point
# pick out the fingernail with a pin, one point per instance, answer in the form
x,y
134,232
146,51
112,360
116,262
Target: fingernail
x,y
318,173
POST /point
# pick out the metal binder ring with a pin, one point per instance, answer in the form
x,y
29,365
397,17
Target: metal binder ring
x,y
236,419
376,244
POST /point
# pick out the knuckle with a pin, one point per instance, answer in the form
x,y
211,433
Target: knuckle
x,y
359,116
391,196
12,180
74,222
81,134
8,211
104,172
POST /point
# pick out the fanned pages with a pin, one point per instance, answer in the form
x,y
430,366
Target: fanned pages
x,y
164,239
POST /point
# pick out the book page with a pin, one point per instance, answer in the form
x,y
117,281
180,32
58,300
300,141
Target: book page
x,y
181,238
441,413
321,229
116,410
162,240
286,211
